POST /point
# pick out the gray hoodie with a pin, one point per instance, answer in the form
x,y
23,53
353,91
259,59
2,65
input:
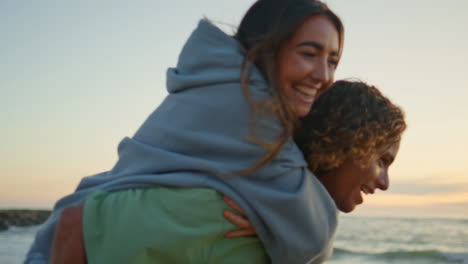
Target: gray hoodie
x,y
197,137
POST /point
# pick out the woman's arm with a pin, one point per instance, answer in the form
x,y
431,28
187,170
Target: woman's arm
x,y
238,218
68,244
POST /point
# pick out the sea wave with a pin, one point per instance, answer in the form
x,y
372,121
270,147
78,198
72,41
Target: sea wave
x,y
15,242
428,256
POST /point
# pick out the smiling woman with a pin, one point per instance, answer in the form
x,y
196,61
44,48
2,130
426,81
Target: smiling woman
x,y
307,63
225,127
346,182
350,139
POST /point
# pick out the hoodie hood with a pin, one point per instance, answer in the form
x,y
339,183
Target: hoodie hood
x,y
209,57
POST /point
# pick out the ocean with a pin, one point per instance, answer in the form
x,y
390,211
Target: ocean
x,y
382,240
377,240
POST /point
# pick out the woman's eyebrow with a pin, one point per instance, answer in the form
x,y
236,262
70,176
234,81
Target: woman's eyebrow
x,y
317,46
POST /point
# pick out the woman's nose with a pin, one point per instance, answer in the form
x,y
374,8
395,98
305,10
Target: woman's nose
x,y
383,181
321,72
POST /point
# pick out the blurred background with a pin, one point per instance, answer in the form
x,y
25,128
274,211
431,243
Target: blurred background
x,y
78,76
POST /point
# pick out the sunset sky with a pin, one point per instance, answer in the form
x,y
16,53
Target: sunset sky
x,y
78,76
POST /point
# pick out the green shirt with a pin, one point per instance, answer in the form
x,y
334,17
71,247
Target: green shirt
x,y
163,225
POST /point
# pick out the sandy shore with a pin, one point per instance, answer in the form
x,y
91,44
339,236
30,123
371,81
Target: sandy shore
x,y
22,218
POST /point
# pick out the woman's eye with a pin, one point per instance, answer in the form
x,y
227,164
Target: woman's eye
x,y
308,54
333,63
385,161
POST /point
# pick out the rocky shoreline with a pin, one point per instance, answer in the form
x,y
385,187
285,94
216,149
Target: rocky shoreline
x,y
22,218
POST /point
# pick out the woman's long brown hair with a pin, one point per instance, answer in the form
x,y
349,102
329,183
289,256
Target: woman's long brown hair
x,y
262,31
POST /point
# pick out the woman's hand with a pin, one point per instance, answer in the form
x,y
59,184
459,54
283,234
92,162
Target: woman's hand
x,y
239,219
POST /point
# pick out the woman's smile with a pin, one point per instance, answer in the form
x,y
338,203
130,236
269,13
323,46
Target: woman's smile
x,y
306,63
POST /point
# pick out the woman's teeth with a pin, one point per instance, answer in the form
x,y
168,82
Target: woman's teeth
x,y
364,190
306,90
306,93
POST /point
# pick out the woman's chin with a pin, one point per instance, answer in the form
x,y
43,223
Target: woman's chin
x,y
302,110
346,208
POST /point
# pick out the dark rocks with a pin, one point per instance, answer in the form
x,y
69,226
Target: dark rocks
x,y
22,218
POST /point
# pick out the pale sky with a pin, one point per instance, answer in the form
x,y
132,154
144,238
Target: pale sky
x,y
78,76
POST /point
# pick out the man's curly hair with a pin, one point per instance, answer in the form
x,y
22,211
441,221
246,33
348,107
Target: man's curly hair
x,y
351,120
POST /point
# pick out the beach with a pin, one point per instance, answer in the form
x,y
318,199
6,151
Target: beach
x,y
359,239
